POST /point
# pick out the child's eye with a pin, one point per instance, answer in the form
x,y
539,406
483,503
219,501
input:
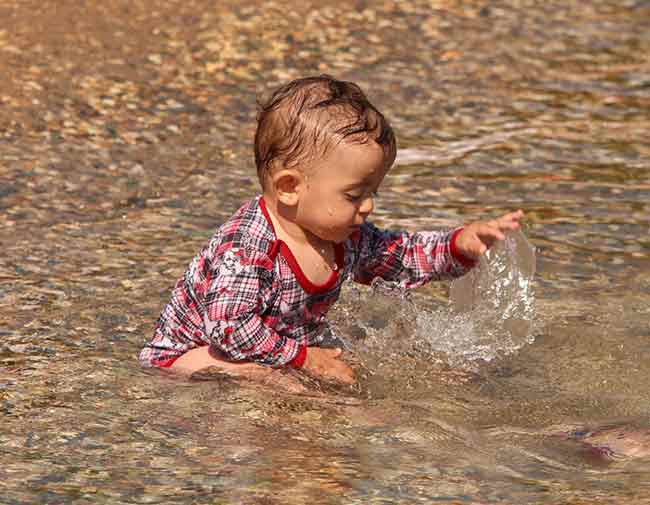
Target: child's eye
x,y
353,197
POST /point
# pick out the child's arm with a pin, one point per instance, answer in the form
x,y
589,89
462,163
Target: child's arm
x,y
235,317
413,259
238,323
235,325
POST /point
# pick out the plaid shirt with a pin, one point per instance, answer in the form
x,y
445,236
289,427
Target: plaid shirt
x,y
245,294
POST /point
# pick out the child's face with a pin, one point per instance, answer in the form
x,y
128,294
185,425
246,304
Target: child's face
x,y
338,191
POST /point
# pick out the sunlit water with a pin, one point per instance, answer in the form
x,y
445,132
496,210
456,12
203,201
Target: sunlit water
x,y
540,106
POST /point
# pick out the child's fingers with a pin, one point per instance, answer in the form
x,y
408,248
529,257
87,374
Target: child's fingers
x,y
343,373
490,231
340,370
509,225
331,367
481,235
510,221
347,377
335,353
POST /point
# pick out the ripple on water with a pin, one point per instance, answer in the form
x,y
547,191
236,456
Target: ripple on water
x,y
116,170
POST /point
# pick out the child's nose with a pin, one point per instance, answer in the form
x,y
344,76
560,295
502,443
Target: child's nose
x,y
367,205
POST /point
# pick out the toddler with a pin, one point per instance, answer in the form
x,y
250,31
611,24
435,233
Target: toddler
x,y
257,295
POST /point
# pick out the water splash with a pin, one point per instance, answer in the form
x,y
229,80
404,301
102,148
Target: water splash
x,y
492,309
491,314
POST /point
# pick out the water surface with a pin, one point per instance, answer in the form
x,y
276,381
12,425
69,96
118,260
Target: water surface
x,y
125,139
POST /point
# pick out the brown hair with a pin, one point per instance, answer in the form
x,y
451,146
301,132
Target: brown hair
x,y
305,118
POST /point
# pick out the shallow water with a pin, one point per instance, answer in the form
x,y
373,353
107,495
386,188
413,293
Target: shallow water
x,y
125,139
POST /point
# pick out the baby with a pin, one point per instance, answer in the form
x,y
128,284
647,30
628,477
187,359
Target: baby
x,y
256,296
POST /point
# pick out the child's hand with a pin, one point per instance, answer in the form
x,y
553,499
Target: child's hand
x,y
326,363
478,237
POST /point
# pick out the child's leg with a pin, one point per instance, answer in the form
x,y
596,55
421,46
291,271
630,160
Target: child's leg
x,y
201,358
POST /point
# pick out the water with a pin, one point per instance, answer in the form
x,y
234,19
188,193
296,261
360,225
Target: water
x,y
491,313
126,139
497,300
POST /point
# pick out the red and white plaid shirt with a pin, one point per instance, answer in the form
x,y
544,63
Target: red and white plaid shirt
x,y
245,294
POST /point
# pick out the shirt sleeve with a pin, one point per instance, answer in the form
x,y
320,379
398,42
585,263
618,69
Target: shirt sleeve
x,y
411,259
235,303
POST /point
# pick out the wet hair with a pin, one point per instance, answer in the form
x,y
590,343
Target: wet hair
x,y
304,119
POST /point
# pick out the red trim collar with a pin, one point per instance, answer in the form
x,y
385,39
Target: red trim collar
x,y
302,279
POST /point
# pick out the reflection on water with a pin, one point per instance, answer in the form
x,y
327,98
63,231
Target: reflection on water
x,y
125,141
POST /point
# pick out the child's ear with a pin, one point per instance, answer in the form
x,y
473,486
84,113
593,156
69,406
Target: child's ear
x,y
286,182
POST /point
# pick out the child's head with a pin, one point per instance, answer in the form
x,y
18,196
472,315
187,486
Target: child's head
x,y
305,119
324,148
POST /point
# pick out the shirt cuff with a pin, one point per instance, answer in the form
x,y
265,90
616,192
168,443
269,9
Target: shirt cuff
x,y
299,360
455,252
